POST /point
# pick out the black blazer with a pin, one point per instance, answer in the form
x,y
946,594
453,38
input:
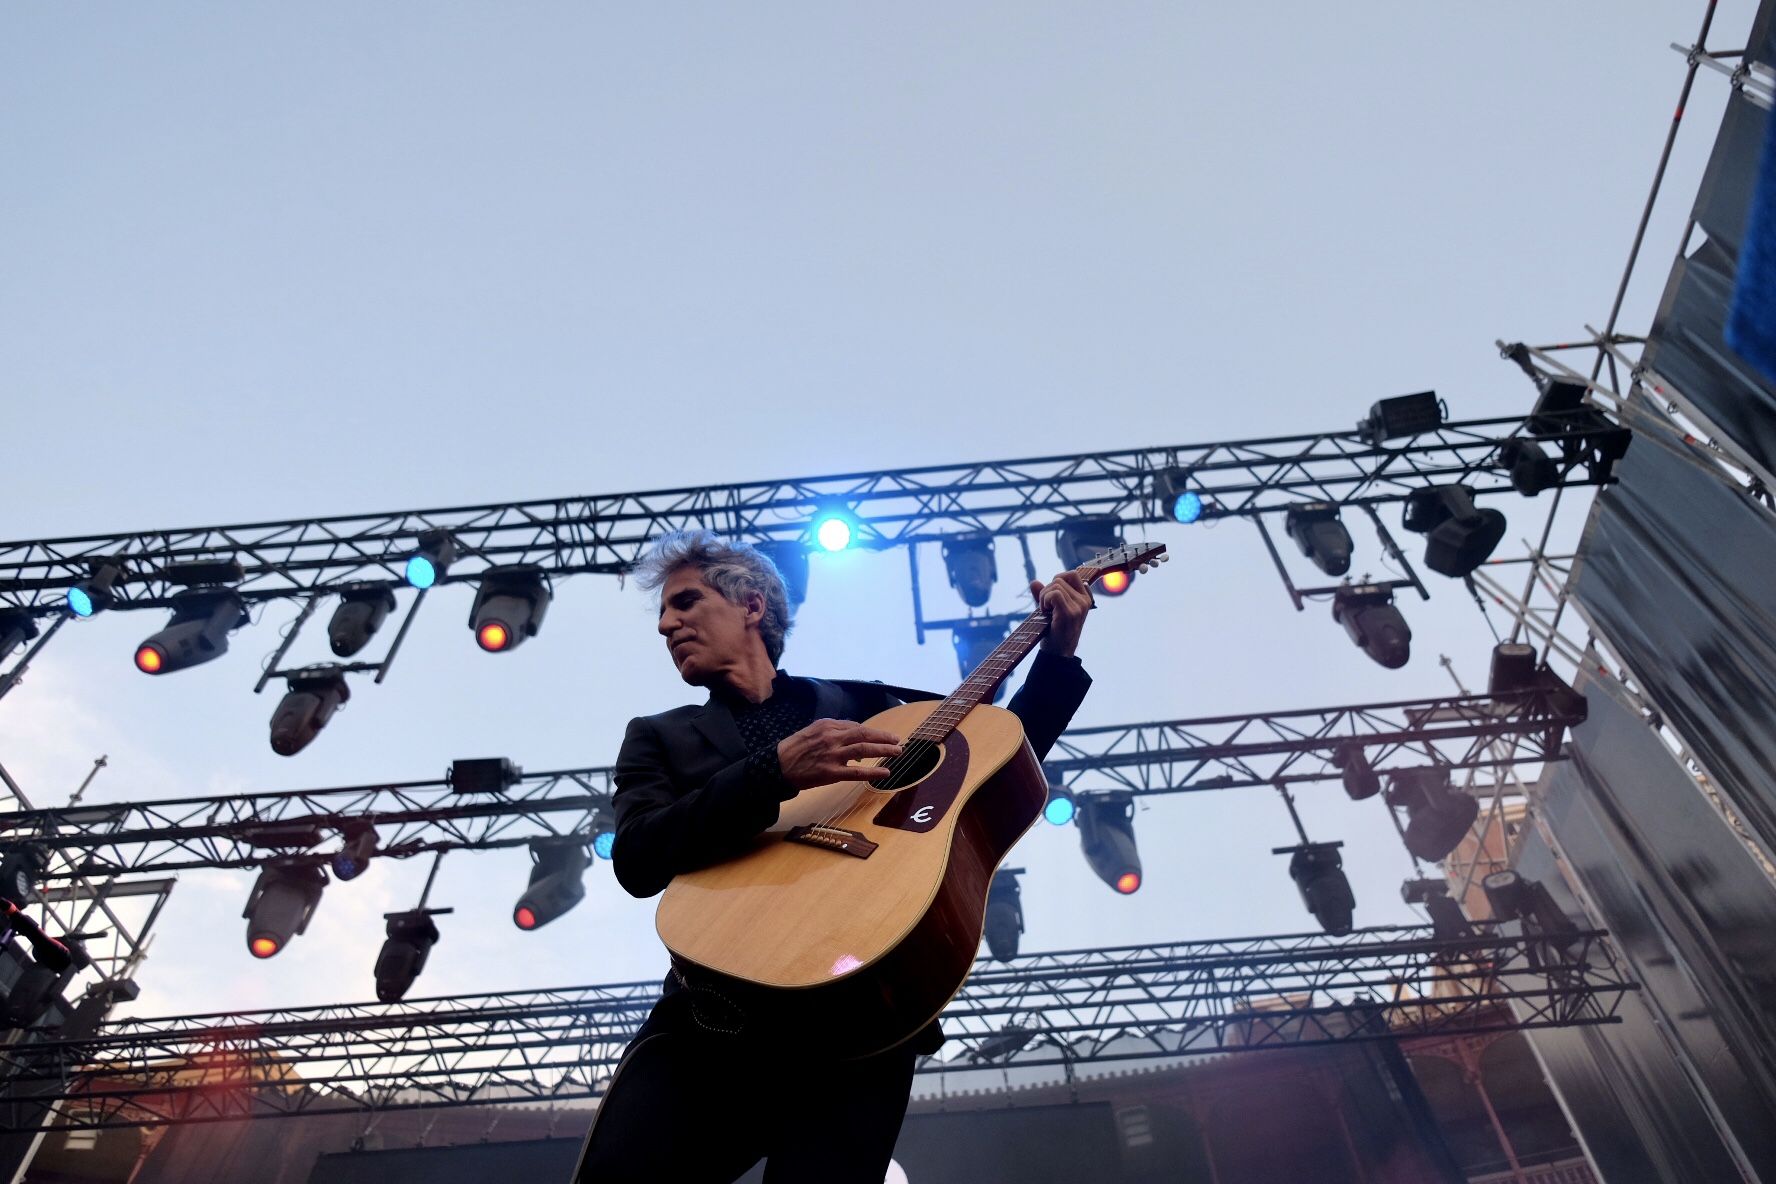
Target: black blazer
x,y
686,797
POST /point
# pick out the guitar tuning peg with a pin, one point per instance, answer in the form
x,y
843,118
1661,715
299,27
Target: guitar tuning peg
x,y
1165,557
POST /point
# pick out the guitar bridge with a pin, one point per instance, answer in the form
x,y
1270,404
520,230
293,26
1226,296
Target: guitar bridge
x,y
832,838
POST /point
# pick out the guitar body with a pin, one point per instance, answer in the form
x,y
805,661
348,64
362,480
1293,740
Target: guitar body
x,y
802,937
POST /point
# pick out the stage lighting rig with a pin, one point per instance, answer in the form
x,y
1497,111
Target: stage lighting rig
x,y
410,937
358,849
1368,615
314,694
972,570
1459,536
1561,410
1532,469
1172,491
1406,415
203,617
431,559
1358,774
1447,920
1107,836
20,871
1438,817
555,881
1005,914
604,832
483,774
1318,872
282,903
1321,535
974,640
1513,897
360,614
509,607
96,593
1061,805
834,529
16,628
790,558
1082,539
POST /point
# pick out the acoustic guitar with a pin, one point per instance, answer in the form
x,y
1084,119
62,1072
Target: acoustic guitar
x,y
853,921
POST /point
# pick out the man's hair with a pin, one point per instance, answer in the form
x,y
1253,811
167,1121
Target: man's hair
x,y
733,569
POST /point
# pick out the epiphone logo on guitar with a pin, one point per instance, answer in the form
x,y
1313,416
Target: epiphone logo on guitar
x,y
921,807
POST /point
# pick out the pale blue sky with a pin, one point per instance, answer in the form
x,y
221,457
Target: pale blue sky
x,y
262,262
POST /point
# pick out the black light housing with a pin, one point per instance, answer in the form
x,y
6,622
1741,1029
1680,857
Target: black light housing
x,y
410,937
430,560
96,593
1321,535
1532,469
509,607
198,633
790,558
360,614
1513,674
1404,415
314,694
1005,914
1511,896
555,881
1448,922
1368,615
1178,498
281,905
354,855
974,641
1437,817
16,628
19,872
1318,872
1460,536
483,774
1084,539
1107,836
971,568
1356,772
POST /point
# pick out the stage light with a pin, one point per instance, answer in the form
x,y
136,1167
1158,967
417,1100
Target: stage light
x,y
1532,469
1368,615
509,607
411,936
1005,914
975,640
94,594
834,530
1318,872
314,694
1171,490
198,632
790,558
1560,409
1107,836
1511,896
1447,920
354,856
432,559
1061,806
604,832
1317,530
16,628
20,871
1084,539
555,882
1459,536
1357,773
360,614
1437,817
1406,415
971,568
483,774
282,903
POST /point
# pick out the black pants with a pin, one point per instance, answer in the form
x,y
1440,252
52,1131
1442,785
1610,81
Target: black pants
x,y
691,1107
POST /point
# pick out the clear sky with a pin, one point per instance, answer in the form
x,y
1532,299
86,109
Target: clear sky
x,y
265,261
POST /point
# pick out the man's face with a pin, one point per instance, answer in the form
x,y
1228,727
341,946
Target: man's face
x,y
705,633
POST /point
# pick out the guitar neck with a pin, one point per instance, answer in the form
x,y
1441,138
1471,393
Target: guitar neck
x,y
978,687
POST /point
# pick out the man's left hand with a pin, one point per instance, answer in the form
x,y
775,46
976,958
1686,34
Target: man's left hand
x,y
1066,600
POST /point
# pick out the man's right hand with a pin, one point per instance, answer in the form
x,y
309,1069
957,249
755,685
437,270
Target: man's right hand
x,y
821,753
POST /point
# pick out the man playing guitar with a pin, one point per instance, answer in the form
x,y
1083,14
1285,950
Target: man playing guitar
x,y
698,1097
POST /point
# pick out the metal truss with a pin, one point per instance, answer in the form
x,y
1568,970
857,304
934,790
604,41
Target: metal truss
x,y
1272,749
1043,1009
608,533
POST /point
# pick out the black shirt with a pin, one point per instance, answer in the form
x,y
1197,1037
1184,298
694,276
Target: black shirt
x,y
763,726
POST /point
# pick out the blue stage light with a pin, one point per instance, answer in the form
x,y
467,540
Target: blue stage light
x,y
1059,810
421,572
1187,507
80,601
833,532
602,842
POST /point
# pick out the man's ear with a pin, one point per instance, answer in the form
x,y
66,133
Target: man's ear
x,y
755,607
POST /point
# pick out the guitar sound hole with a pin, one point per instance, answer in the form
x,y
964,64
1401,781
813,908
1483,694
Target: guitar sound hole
x,y
910,770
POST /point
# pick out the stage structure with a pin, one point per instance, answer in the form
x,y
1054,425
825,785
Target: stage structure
x,y
1058,1010
1459,733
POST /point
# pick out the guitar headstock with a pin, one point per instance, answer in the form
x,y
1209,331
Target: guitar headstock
x,y
1130,557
